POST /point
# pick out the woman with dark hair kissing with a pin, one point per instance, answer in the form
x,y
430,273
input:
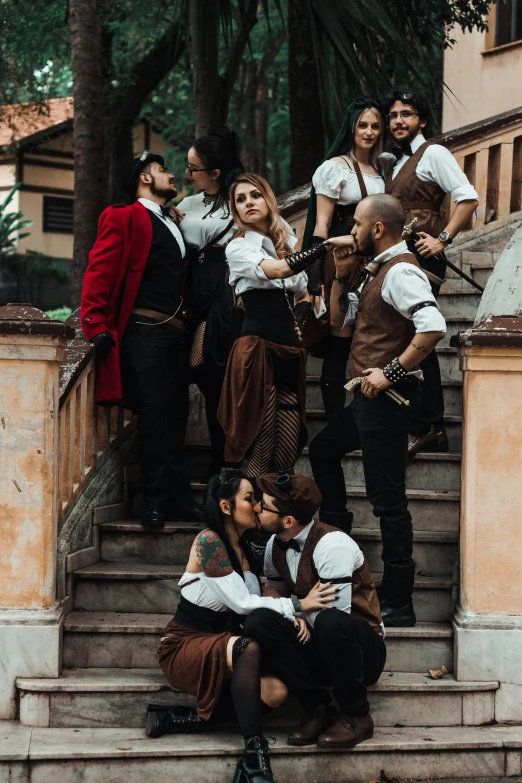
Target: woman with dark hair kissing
x,y
202,651
213,163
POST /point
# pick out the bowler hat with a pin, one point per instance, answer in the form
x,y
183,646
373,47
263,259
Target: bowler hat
x,y
129,181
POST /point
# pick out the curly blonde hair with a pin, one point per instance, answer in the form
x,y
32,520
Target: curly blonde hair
x,y
277,230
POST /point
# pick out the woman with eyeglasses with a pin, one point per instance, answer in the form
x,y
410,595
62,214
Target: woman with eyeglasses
x,y
207,226
262,408
203,651
349,173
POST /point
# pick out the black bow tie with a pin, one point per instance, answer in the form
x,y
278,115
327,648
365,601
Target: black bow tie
x,y
404,149
165,211
286,545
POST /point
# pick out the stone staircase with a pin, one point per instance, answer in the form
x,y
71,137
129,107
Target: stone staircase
x,y
93,715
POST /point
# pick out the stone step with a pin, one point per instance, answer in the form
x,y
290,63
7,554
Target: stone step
x,y
452,395
454,326
130,640
111,755
128,542
316,421
430,510
434,472
462,302
99,698
481,274
136,587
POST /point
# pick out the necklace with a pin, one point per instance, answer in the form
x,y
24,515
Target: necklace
x,y
208,198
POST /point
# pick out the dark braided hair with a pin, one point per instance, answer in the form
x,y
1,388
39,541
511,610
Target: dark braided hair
x,y
225,486
221,150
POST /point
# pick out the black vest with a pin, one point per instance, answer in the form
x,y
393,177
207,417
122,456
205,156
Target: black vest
x,y
161,286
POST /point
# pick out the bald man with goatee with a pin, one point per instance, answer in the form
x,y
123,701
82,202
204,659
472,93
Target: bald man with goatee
x,y
397,324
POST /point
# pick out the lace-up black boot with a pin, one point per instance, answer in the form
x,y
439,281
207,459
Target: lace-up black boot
x,y
395,595
172,719
254,766
341,519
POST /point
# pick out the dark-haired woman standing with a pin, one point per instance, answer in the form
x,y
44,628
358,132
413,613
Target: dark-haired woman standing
x,y
203,652
207,226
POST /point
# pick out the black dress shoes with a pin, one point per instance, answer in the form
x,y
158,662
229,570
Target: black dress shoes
x,y
188,512
398,616
153,517
433,440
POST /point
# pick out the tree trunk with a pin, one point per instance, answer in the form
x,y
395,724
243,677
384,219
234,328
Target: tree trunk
x,y
204,33
89,168
261,120
306,118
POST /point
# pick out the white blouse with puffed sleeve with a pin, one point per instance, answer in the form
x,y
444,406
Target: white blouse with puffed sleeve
x,y
338,181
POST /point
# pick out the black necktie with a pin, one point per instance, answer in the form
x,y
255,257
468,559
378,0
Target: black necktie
x,y
165,211
404,149
286,545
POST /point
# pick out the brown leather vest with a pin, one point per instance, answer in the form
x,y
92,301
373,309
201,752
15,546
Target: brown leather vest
x,y
365,604
381,333
423,200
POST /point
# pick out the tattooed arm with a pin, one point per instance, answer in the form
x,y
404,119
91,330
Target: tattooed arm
x,y
226,586
212,555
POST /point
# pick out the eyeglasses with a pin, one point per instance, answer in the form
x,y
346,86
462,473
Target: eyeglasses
x,y
406,114
272,510
190,168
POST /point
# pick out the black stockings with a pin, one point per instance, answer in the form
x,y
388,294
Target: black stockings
x,y
277,443
246,686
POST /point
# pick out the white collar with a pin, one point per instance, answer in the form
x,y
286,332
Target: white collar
x,y
303,535
148,204
395,250
417,142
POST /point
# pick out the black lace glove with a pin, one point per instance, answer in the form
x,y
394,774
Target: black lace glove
x,y
302,312
315,271
302,260
103,343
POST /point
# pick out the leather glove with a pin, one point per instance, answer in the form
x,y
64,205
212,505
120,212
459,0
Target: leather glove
x,y
301,260
103,343
315,271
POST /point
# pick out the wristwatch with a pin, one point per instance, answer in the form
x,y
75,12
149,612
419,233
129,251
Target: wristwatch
x,y
445,237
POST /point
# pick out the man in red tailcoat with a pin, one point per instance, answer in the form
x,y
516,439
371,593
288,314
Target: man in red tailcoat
x,y
132,311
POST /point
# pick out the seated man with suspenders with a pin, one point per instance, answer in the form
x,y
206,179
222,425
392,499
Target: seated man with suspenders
x,y
343,646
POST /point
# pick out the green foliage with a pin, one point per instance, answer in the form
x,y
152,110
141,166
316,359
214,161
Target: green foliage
x,y
11,224
60,314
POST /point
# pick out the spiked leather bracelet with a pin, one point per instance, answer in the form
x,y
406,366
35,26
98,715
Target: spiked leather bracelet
x,y
300,261
394,371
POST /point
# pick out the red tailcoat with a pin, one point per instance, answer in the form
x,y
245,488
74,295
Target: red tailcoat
x,y
110,285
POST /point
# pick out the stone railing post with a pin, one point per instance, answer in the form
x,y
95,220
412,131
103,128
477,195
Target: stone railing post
x,y
488,621
31,348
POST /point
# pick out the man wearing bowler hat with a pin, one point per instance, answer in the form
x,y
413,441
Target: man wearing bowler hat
x,y
132,311
344,646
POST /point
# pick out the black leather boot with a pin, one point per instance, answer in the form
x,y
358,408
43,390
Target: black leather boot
x,y
172,719
341,519
254,765
334,396
395,595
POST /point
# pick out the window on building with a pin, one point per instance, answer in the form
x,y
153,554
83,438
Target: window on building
x,y
508,23
58,215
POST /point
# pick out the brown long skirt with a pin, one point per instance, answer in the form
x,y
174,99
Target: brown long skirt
x,y
246,391
195,663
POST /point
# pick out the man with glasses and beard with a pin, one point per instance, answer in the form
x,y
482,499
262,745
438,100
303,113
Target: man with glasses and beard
x,y
132,311
422,176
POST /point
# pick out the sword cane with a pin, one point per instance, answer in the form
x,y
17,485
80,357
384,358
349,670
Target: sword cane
x,y
392,394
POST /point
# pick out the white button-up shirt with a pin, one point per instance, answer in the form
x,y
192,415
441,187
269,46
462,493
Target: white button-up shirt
x,y
174,230
439,166
244,256
336,555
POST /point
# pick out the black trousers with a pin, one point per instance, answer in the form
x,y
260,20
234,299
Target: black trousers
x,y
344,651
209,379
154,374
379,427
431,411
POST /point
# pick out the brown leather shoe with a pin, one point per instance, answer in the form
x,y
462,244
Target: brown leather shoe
x,y
347,731
431,441
311,727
